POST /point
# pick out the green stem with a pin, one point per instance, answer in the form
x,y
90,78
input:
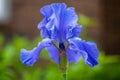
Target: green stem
x,y
63,65
64,76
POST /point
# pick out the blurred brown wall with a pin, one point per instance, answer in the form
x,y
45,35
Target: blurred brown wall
x,y
26,14
111,26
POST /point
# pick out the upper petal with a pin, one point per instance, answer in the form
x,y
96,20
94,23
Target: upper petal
x,y
89,50
46,11
73,31
68,19
42,24
57,20
58,15
45,33
57,9
29,57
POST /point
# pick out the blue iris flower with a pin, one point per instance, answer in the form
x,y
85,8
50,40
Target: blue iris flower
x,y
60,31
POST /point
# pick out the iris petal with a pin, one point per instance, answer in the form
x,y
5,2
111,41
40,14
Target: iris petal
x,y
57,9
76,31
88,50
68,19
42,24
29,57
57,19
73,31
44,33
46,11
53,52
73,56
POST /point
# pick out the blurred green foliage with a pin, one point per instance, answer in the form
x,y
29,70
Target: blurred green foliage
x,y
44,69
85,20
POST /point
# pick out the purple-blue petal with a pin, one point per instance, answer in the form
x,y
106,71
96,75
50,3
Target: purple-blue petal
x,y
46,11
45,33
91,48
68,20
54,53
76,31
72,55
87,47
29,57
57,20
70,17
57,9
42,24
73,32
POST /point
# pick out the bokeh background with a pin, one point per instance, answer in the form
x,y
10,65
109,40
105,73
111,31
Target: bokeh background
x,y
18,29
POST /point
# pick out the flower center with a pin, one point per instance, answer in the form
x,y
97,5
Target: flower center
x,y
61,46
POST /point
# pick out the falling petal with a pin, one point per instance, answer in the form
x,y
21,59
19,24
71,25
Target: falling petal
x,y
86,47
29,57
